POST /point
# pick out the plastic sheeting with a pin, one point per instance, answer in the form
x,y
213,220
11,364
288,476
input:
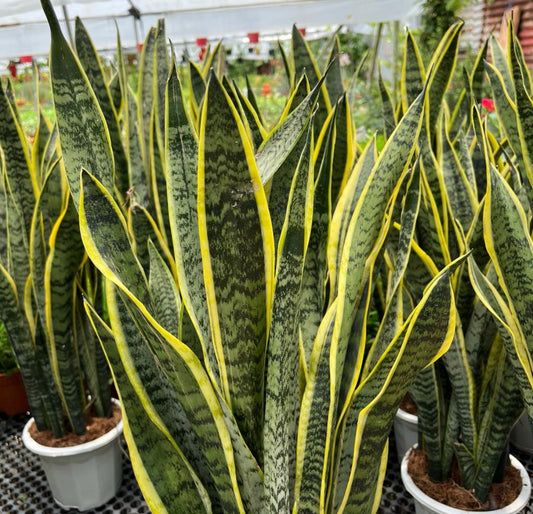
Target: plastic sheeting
x,y
23,28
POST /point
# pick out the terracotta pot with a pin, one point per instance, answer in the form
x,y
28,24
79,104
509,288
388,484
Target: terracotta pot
x,y
13,398
426,505
85,476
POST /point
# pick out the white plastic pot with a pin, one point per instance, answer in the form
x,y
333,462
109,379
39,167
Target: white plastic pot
x,y
405,432
426,505
84,476
522,435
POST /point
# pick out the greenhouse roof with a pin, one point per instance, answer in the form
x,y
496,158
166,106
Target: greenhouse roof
x,y
23,28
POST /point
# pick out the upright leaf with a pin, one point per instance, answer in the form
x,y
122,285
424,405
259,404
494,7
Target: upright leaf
x,y
199,427
334,79
413,73
284,137
16,161
511,250
443,64
91,64
64,260
282,391
181,156
85,141
235,232
145,95
387,109
425,336
168,488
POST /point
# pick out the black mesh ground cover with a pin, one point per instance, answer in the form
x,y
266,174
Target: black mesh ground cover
x,y
23,485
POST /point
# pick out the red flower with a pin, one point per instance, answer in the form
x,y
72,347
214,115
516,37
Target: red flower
x,y
488,104
265,90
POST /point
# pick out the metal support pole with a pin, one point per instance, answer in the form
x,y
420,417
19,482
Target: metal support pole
x,y
375,51
396,56
136,29
136,14
69,29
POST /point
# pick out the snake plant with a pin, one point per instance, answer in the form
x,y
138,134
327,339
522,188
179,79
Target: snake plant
x,y
470,399
237,321
42,274
507,213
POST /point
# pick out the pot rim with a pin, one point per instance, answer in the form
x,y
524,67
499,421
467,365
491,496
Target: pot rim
x,y
49,451
407,416
513,508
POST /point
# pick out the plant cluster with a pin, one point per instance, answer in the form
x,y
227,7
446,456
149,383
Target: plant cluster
x,y
242,268
43,275
239,276
470,399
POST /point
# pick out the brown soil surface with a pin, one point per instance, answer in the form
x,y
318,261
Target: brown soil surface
x,y
96,427
452,494
408,405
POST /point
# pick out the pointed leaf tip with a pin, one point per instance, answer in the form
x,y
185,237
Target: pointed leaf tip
x,y
50,14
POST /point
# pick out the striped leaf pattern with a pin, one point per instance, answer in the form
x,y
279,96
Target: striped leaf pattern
x,y
179,371
280,142
502,411
168,306
16,160
92,358
463,181
313,288
510,247
110,240
40,387
313,427
346,207
237,253
63,261
334,79
500,62
149,446
93,69
328,376
426,334
282,394
387,109
145,96
181,156
443,64
252,116
413,73
343,151
433,411
41,258
281,184
84,135
242,351
368,212
305,63
393,313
